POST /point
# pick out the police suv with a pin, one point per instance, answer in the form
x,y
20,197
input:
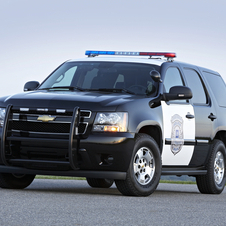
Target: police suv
x,y
128,118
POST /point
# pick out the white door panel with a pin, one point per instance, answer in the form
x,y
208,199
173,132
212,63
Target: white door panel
x,y
179,134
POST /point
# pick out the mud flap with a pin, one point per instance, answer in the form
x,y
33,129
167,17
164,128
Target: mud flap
x,y
74,139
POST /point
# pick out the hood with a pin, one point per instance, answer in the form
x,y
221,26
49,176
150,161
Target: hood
x,y
95,101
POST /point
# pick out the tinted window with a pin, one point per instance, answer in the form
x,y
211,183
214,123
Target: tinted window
x,y
114,76
65,78
218,87
196,85
172,78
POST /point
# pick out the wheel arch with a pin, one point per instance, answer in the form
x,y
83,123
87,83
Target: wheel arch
x,y
221,135
155,132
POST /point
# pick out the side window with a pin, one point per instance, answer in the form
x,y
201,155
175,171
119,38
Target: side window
x,y
172,78
218,87
196,85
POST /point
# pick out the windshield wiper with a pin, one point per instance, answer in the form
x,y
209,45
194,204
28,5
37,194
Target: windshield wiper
x,y
64,87
114,90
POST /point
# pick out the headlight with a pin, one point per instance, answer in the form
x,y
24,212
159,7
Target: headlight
x,y
2,116
111,122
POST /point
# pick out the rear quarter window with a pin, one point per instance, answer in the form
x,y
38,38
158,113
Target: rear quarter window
x,y
217,86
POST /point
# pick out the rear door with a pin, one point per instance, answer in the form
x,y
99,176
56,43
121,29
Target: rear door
x,y
204,110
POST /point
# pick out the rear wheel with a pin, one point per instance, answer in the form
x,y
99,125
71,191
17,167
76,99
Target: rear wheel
x,y
214,181
15,181
144,171
99,183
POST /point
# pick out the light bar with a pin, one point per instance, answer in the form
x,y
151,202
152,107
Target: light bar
x,y
95,53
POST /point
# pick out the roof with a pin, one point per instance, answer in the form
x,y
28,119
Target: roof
x,y
133,59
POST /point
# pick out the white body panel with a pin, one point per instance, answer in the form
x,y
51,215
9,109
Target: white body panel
x,y
178,129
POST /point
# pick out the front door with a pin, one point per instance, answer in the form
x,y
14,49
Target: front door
x,y
178,124
179,134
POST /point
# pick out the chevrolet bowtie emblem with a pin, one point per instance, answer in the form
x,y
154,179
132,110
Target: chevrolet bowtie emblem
x,y
46,118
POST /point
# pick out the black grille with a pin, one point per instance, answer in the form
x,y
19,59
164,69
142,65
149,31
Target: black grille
x,y
41,127
27,122
85,114
82,128
45,127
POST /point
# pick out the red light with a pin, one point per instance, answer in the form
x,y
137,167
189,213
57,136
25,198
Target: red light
x,y
171,55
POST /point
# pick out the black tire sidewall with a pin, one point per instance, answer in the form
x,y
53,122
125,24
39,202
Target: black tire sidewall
x,y
217,146
99,183
146,141
8,180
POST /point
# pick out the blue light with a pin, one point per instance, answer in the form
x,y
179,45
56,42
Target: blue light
x,y
91,52
106,53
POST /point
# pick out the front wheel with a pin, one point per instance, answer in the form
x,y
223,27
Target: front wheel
x,y
15,181
214,181
145,167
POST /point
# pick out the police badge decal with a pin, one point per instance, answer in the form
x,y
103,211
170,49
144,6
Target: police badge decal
x,y
177,135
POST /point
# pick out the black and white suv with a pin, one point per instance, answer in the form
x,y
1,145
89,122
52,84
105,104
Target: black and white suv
x,y
127,117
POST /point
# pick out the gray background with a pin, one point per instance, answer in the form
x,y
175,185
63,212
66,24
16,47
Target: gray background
x,y
37,36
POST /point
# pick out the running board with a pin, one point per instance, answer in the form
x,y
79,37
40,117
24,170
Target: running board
x,y
183,171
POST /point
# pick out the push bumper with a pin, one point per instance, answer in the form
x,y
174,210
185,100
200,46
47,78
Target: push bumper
x,y
101,155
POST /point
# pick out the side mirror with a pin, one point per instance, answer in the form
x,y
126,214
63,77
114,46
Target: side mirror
x,y
32,85
155,75
178,93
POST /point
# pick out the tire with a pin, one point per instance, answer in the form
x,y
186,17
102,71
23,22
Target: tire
x,y
15,181
214,181
99,183
144,170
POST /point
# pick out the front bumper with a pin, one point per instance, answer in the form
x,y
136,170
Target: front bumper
x,y
70,173
103,155
99,156
107,151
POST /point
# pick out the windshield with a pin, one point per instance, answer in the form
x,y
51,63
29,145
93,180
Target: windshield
x,y
104,76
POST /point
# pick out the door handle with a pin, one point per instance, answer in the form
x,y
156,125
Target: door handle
x,y
189,116
212,116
